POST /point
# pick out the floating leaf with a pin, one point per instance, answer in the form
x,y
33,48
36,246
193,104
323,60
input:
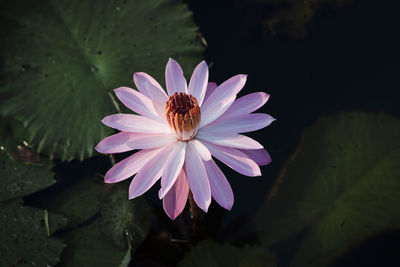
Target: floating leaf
x,y
211,254
62,62
121,217
342,187
24,235
18,179
87,247
79,202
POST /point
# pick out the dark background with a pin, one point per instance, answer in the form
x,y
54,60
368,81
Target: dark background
x,y
348,61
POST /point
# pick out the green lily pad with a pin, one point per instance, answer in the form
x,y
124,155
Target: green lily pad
x,y
342,187
18,179
79,202
121,218
25,236
211,254
87,247
62,59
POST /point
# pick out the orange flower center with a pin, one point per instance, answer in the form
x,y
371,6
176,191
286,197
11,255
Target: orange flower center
x,y
183,115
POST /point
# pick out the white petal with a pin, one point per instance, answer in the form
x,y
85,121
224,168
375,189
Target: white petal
x,y
220,100
260,156
135,123
174,78
211,86
125,141
245,105
197,178
148,86
240,124
130,166
233,140
200,149
198,82
149,173
173,168
235,159
137,102
221,190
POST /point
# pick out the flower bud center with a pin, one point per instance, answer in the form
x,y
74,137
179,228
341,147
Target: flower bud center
x,y
183,115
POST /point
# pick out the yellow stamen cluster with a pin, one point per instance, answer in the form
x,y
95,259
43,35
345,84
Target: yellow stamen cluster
x,y
183,115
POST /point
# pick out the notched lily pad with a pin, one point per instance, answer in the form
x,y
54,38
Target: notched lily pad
x,y
62,63
87,247
25,235
18,179
122,218
342,187
79,202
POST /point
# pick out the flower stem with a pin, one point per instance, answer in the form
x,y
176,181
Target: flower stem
x,y
194,210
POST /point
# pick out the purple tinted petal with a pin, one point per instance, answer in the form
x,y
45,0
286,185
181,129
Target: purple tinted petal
x,y
173,168
135,123
220,100
235,159
175,200
201,149
245,105
137,102
197,178
233,140
129,166
149,173
148,86
125,141
174,78
210,88
221,190
260,156
198,82
240,124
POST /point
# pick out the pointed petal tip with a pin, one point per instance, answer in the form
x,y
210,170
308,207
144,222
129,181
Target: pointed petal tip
x,y
161,193
170,59
98,149
107,179
228,207
265,95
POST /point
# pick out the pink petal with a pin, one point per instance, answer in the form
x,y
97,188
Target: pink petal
x,y
245,105
201,149
221,190
233,140
135,123
131,165
175,200
210,88
138,102
149,173
198,82
148,86
173,168
260,156
160,109
125,141
220,100
174,78
240,124
235,159
197,178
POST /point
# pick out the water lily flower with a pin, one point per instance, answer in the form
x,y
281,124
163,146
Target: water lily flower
x,y
179,133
